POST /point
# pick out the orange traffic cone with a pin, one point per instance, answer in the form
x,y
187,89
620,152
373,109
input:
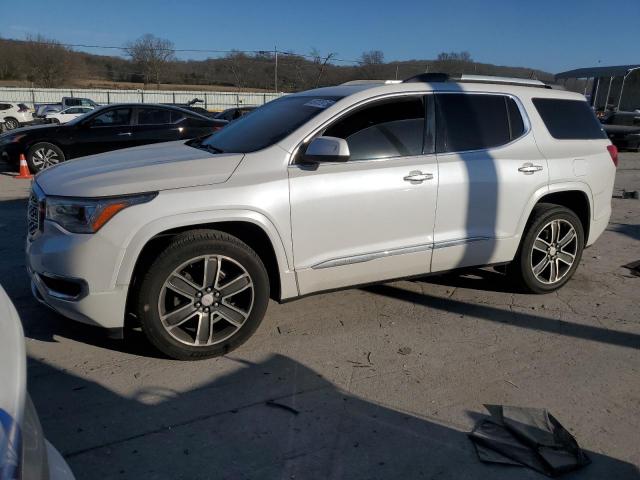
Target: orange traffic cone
x,y
24,168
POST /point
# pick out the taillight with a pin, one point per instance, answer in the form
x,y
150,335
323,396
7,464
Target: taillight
x,y
613,151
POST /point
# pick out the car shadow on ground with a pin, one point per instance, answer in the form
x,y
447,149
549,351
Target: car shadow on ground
x,y
631,230
484,279
509,317
274,419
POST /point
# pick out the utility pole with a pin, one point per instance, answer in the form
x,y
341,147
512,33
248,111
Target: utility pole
x,y
275,73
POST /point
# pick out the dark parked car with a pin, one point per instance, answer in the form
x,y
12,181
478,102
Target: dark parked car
x,y
231,114
623,129
106,128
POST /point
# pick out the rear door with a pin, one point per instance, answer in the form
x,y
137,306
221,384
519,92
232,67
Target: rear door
x,y
490,168
109,129
155,124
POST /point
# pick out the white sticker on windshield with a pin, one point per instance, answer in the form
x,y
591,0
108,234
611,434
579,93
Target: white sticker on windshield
x,y
320,103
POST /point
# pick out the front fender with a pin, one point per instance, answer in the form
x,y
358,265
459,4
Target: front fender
x,y
142,236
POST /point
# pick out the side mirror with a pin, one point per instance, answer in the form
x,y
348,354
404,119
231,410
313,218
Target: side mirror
x,y
327,149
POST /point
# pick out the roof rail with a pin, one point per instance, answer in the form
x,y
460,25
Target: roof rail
x,y
445,77
371,82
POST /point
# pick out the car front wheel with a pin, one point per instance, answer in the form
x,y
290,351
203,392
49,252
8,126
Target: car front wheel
x,y
550,250
204,296
44,155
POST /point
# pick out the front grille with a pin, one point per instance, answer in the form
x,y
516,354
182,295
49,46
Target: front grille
x,y
33,215
35,211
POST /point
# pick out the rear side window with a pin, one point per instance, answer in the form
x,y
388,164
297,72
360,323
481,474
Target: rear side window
x,y
476,122
153,116
569,119
4,106
385,130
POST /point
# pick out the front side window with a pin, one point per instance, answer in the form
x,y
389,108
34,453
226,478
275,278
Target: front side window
x,y
267,125
113,118
390,128
72,110
153,116
476,122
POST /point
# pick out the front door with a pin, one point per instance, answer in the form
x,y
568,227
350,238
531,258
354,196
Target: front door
x,y
369,218
109,130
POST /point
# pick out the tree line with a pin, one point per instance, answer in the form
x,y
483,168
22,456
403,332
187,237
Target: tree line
x,y
150,61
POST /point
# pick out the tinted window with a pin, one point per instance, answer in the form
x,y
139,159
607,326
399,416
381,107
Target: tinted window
x,y
474,122
176,116
386,129
4,106
569,119
112,118
268,124
73,110
515,118
153,116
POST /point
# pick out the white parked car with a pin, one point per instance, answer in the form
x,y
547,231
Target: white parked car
x,y
320,190
24,451
67,114
13,115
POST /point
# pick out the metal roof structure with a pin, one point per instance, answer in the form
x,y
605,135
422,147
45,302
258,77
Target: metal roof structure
x,y
598,72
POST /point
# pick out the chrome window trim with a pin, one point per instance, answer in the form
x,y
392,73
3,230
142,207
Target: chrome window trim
x,y
350,108
523,113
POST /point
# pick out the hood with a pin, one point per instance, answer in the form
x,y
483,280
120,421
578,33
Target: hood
x,y
33,128
161,166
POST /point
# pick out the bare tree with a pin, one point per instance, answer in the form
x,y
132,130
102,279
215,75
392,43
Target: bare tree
x,y
371,63
46,62
372,57
151,54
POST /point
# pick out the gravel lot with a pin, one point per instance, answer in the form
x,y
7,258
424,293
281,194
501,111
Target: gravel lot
x,y
383,382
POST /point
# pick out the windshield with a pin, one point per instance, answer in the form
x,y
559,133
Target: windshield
x,y
266,125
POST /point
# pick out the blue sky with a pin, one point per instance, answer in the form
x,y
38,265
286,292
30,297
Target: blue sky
x,y
550,35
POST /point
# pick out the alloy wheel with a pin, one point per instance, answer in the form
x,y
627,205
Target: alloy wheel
x,y
554,251
45,157
206,300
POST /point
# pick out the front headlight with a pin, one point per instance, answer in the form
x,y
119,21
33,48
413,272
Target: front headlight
x,y
79,215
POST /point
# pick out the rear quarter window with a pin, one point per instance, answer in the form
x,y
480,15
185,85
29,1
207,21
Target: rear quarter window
x,y
569,119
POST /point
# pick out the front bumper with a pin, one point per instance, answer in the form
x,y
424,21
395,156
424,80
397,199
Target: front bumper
x,y
88,260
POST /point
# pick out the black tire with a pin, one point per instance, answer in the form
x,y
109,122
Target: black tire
x,y
183,248
39,156
521,269
11,123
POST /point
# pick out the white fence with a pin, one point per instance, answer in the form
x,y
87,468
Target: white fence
x,y
211,100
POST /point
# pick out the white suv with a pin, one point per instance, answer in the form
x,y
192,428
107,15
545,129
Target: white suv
x,y
13,115
320,190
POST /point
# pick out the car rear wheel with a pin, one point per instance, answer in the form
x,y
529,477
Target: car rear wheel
x,y
44,155
204,296
550,250
11,123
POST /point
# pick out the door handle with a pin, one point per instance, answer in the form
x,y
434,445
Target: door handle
x,y
529,168
128,134
416,176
